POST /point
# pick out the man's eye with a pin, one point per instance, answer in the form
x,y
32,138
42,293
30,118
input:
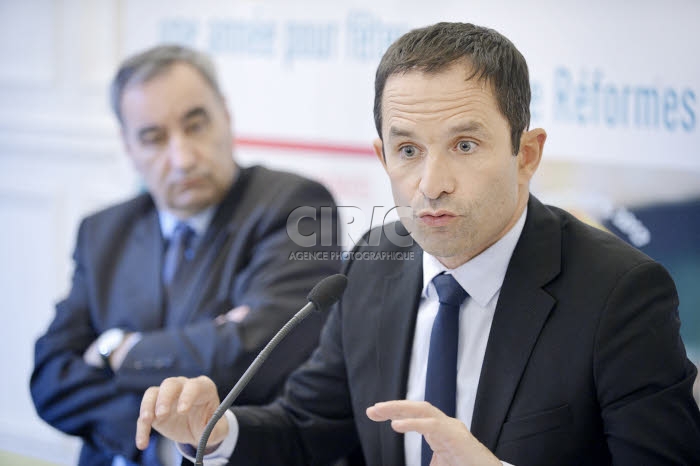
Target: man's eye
x,y
466,146
153,139
195,127
408,151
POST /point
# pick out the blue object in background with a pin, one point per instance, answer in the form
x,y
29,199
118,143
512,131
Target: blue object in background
x,y
674,241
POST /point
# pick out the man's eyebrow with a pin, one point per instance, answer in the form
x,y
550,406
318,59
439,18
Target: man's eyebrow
x,y
195,112
400,133
471,127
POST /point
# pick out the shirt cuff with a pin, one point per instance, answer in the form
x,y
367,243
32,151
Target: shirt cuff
x,y
506,464
220,456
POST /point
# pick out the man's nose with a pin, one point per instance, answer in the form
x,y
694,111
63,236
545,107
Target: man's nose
x,y
180,152
437,177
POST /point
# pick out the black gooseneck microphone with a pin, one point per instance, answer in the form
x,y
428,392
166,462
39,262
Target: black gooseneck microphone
x,y
321,297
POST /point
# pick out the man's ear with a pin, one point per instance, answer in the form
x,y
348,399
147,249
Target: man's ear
x,y
379,151
530,154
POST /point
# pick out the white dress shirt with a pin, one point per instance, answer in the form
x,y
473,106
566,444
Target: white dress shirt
x,y
482,277
199,222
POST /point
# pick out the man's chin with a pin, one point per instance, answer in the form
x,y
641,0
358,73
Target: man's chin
x,y
192,204
440,242
434,246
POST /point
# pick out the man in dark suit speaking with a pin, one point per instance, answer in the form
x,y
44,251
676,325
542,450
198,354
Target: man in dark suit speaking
x,y
193,277
517,335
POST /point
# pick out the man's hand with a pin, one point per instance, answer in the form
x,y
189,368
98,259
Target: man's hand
x,y
180,409
449,438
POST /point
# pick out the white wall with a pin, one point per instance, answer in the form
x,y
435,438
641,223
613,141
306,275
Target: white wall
x,y
60,156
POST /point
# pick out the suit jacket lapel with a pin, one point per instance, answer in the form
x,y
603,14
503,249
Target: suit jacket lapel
x,y
393,341
188,291
146,257
522,309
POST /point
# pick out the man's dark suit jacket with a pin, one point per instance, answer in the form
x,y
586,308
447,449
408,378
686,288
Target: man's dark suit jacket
x,y
584,363
242,259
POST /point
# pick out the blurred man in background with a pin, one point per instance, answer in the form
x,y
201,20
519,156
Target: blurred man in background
x,y
192,277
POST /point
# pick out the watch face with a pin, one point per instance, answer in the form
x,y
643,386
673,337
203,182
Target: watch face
x,y
109,341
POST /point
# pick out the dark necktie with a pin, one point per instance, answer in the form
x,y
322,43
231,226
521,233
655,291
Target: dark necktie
x,y
179,248
441,376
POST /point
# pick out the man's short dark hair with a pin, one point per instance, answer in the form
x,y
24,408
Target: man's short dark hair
x,y
143,66
492,57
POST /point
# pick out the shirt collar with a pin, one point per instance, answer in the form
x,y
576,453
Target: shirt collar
x,y
483,275
199,222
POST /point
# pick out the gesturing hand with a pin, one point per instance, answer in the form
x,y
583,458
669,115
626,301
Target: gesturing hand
x,y
449,438
179,409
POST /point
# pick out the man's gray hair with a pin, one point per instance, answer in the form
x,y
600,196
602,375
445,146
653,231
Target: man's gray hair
x,y
143,66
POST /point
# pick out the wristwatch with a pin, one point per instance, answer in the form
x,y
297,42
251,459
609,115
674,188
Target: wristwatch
x,y
108,342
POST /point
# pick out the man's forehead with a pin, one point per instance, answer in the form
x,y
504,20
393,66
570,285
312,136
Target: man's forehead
x,y
422,95
422,77
149,121
175,78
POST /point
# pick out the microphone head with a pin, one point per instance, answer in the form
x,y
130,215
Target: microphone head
x,y
328,291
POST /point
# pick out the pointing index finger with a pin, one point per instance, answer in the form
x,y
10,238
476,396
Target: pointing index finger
x,y
146,417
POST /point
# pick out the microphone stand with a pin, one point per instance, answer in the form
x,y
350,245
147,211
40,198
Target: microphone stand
x,y
245,378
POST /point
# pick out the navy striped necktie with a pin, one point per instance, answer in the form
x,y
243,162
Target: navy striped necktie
x,y
441,376
179,248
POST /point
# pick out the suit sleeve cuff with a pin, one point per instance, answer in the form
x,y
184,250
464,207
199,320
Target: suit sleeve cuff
x,y
220,455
